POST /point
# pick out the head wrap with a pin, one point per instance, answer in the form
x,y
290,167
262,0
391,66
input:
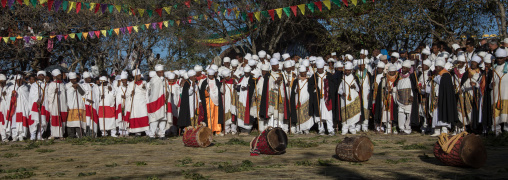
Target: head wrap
x,y
72,75
159,67
55,72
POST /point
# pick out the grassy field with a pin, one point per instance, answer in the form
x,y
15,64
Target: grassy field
x,y
307,157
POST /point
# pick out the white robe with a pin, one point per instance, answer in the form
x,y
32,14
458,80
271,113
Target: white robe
x,y
136,108
501,81
106,110
242,99
57,107
37,91
345,91
156,99
91,93
173,99
75,102
20,114
302,96
120,107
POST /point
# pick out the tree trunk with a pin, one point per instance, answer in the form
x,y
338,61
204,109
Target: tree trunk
x,y
502,15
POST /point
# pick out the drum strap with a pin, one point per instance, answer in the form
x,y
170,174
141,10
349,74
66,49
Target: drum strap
x,y
446,143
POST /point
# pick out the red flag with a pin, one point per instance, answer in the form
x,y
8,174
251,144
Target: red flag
x,y
133,12
78,7
129,28
345,2
97,34
50,4
271,12
293,8
33,38
229,11
160,25
190,19
209,4
3,3
20,2
65,36
250,16
97,7
319,5
159,11
187,3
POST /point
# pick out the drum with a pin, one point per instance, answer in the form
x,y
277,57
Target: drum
x,y
200,136
272,141
355,149
468,151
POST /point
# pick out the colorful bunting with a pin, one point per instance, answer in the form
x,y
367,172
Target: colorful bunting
x,y
279,12
319,5
302,8
293,8
354,2
327,4
287,10
258,15
272,15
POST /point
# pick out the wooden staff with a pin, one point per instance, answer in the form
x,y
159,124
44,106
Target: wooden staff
x,y
133,89
209,108
257,103
39,107
58,105
12,105
79,114
103,109
317,95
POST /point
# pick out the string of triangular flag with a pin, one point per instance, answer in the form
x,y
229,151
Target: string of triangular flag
x,y
77,6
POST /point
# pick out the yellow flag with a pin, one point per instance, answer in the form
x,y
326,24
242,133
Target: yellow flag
x,y
168,9
119,8
302,8
206,17
71,5
195,17
43,1
103,32
72,35
51,36
215,7
327,4
141,11
27,2
135,28
117,30
39,38
178,22
147,26
19,37
354,2
165,23
85,34
92,6
257,15
6,39
237,13
279,12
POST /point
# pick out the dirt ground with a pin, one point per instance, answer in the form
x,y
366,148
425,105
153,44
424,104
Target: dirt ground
x,y
307,157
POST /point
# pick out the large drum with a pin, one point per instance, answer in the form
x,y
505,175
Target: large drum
x,y
355,149
200,136
271,141
468,151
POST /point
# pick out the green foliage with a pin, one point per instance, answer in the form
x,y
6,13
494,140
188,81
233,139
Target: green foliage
x,y
18,170
20,175
183,162
220,150
10,155
303,163
44,150
194,176
236,141
198,164
246,165
153,178
325,162
81,174
496,141
401,142
141,163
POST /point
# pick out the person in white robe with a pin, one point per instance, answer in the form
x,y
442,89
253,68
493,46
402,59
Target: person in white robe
x,y
230,100
91,104
57,105
17,117
403,96
4,104
136,109
38,112
172,100
350,100
106,111
500,95
322,81
244,101
424,80
76,119
303,121
157,103
363,75
121,92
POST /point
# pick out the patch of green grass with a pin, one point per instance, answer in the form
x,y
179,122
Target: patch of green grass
x,y
220,150
10,155
325,162
271,166
194,176
337,141
401,160
81,174
236,141
153,178
141,163
198,164
301,144
44,150
20,175
16,146
246,165
57,174
303,163
112,165
401,142
113,141
183,162
17,170
414,147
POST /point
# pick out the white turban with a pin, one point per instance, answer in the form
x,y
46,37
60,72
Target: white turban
x,y
482,53
407,64
185,75
338,65
455,46
312,59
488,58
215,67
159,67
261,54
320,64
383,57
440,62
72,75
276,56
255,57
234,62
248,56
302,69
395,54
252,63
152,74
448,66
426,51
2,77
274,61
381,64
171,76
265,67
41,72
191,73
103,78
134,73
331,60
55,72
287,64
225,73
210,72
476,59
176,72
392,67
123,76
198,68
427,62
348,66
461,58
349,56
334,54
227,59
285,56
247,69
364,52
306,63
500,53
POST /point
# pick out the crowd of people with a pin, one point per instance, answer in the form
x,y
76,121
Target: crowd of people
x,y
432,90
